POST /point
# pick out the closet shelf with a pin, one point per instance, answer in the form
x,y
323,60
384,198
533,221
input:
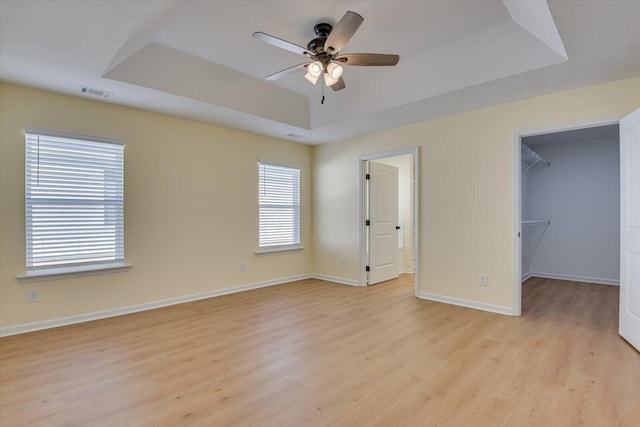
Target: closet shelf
x,y
529,225
531,158
535,223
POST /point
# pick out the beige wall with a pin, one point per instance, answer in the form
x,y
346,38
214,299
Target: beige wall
x,y
191,199
190,207
466,189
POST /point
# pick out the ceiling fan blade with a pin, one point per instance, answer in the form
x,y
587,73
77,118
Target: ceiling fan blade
x,y
282,44
339,85
368,59
287,71
342,32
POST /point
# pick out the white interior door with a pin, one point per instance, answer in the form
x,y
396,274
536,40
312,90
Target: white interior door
x,y
629,327
383,216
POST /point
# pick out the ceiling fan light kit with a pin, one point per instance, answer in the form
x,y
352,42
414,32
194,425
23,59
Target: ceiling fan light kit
x,y
314,70
324,52
328,80
335,70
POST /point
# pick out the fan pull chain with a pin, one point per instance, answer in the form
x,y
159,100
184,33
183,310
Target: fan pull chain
x,y
322,101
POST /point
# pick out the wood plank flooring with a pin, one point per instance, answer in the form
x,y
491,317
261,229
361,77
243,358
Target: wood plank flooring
x,y
313,353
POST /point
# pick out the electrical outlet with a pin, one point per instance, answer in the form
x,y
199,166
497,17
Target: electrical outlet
x,y
343,261
484,280
243,267
33,295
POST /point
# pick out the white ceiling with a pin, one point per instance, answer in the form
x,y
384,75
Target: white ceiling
x,y
197,58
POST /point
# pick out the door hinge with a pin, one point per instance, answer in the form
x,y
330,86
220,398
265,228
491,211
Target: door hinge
x,y
367,268
367,176
367,222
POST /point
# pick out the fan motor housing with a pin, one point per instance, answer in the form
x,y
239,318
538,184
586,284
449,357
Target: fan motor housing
x,y
316,45
322,30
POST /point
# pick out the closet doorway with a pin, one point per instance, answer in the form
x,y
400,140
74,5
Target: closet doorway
x,y
568,204
389,198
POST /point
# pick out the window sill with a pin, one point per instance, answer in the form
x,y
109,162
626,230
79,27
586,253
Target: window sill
x,y
276,249
67,272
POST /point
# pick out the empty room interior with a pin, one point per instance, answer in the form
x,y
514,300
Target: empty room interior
x,y
319,213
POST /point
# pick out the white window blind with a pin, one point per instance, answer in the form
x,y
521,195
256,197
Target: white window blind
x,y
279,205
74,201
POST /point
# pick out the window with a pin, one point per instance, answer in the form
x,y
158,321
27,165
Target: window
x,y
74,202
279,207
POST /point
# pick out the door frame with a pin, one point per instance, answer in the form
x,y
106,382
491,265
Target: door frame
x,y
362,228
517,196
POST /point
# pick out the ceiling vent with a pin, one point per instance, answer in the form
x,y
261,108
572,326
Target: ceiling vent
x,y
96,92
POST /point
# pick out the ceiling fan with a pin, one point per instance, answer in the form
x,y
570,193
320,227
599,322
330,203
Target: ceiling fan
x,y
323,52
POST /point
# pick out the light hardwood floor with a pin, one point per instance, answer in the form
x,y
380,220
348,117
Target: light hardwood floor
x,y
313,353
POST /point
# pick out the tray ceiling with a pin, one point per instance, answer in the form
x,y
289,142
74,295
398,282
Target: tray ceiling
x,y
197,59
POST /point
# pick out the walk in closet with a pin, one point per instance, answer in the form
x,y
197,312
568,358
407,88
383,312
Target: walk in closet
x,y
571,205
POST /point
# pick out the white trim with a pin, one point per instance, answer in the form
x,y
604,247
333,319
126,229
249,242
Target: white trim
x,y
516,225
386,154
282,165
70,135
517,204
362,256
334,279
582,124
526,277
409,271
415,152
276,249
569,277
75,271
63,321
466,303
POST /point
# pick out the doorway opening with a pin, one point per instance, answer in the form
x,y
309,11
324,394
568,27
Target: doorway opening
x,y
388,212
567,201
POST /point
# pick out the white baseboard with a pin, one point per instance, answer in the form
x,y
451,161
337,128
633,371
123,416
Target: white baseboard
x,y
409,271
596,280
525,277
466,303
63,321
334,279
